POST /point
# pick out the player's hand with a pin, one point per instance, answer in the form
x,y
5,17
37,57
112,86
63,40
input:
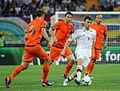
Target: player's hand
x,y
49,45
62,53
55,40
73,42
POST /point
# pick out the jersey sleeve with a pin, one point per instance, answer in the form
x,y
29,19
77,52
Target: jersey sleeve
x,y
74,35
56,26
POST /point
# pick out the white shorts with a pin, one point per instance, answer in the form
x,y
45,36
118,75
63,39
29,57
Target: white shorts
x,y
85,55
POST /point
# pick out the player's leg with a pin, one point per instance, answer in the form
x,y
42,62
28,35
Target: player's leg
x,y
90,66
80,55
27,57
46,66
69,78
70,57
97,56
91,63
83,61
18,69
76,73
54,54
79,70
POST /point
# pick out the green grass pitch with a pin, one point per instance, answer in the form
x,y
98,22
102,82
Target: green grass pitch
x,y
106,78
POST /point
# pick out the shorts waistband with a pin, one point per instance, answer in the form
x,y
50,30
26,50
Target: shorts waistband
x,y
97,49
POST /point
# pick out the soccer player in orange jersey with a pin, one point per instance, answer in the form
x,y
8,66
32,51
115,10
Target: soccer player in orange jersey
x,y
63,30
101,31
34,32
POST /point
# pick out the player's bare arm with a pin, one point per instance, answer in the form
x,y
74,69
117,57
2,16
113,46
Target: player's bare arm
x,y
74,42
45,35
53,35
64,49
105,41
93,57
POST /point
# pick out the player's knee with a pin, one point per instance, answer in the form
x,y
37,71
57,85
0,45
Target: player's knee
x,y
47,60
51,61
26,65
94,60
72,59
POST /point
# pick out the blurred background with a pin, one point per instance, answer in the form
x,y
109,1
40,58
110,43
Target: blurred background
x,y
15,15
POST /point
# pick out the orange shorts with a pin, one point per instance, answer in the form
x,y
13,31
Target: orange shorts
x,y
55,53
96,53
35,51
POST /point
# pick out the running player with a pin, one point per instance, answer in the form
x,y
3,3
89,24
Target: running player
x,y
34,32
63,30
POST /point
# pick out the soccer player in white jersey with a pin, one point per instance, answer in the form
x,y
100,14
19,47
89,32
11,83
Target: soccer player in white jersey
x,y
85,38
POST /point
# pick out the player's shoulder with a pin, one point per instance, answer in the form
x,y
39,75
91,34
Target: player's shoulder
x,y
61,21
92,30
78,30
103,25
42,21
71,24
93,24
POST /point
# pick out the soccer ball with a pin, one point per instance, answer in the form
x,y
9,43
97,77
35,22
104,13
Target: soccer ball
x,y
86,81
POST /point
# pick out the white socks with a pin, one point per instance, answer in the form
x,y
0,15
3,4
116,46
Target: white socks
x,y
71,77
79,72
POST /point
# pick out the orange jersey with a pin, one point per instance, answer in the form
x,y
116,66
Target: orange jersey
x,y
33,31
101,30
62,33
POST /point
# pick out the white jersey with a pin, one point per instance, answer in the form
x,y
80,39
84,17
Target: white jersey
x,y
84,38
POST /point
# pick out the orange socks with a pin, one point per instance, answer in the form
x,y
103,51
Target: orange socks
x,y
46,67
68,67
16,72
90,67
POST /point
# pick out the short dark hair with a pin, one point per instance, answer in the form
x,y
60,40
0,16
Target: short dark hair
x,y
89,18
68,13
38,13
